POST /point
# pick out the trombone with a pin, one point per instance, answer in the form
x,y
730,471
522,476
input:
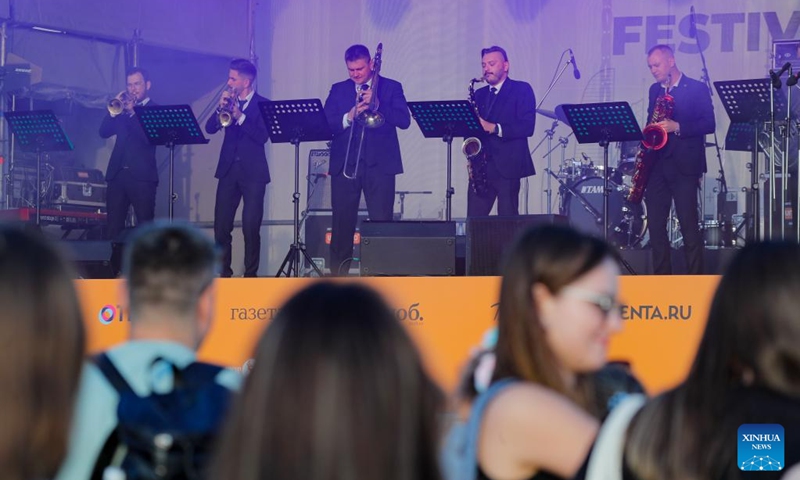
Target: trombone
x,y
369,118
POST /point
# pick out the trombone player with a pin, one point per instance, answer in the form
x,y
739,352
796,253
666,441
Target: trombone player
x,y
364,113
132,175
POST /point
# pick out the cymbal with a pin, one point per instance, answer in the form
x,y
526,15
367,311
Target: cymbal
x,y
558,114
547,113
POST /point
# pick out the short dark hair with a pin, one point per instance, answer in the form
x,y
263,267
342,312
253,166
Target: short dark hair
x,y
169,265
661,48
135,70
356,52
495,48
245,67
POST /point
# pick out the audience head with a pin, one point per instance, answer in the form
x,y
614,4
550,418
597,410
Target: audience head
x,y
42,345
753,331
338,391
169,270
558,308
750,340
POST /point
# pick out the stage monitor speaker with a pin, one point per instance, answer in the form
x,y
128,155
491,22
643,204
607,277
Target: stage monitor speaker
x,y
488,238
92,258
408,248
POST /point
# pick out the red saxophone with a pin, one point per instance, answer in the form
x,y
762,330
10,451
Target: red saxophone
x,y
655,138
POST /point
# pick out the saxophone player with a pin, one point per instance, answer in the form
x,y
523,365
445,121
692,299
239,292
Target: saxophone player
x,y
680,164
507,112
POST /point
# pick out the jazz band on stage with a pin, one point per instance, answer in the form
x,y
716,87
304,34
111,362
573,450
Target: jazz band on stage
x,y
364,113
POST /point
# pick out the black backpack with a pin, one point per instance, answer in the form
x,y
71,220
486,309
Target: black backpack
x,y
166,436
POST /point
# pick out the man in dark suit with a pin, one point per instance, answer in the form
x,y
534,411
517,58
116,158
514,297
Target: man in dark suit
x,y
132,175
374,170
680,164
507,111
242,169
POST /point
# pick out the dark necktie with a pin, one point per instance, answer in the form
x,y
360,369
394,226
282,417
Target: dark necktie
x,y
492,98
241,104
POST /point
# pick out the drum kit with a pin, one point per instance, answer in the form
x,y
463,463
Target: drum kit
x,y
581,199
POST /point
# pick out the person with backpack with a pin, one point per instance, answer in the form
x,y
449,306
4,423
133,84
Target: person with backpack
x,y
149,394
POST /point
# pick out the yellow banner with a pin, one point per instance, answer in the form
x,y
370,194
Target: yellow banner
x,y
446,317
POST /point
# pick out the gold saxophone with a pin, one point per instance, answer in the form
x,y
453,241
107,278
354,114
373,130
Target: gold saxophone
x,y
655,138
473,149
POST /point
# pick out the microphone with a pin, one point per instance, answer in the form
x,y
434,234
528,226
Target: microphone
x,y
575,70
776,76
692,24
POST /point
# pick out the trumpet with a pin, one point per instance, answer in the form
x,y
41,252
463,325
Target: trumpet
x,y
225,112
117,104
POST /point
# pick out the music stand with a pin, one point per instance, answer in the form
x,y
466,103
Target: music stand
x,y
170,125
445,120
603,123
38,131
296,121
748,102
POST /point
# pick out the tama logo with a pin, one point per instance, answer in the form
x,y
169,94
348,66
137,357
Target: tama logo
x,y
592,189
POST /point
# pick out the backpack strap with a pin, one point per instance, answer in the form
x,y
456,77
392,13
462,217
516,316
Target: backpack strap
x,y
607,454
109,370
470,465
111,373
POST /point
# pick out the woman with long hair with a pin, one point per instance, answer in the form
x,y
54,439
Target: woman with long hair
x,y
558,309
746,371
42,344
337,392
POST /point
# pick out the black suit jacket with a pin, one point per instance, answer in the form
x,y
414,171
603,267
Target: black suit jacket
x,y
132,149
244,143
515,111
686,153
381,149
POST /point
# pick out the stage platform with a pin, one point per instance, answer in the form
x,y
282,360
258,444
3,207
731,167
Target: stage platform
x,y
446,316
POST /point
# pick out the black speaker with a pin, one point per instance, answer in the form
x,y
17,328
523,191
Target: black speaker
x,y
408,248
488,238
92,258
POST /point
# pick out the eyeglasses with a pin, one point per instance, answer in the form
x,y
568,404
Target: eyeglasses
x,y
606,303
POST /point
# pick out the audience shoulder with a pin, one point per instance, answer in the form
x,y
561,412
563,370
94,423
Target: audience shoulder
x,y
528,415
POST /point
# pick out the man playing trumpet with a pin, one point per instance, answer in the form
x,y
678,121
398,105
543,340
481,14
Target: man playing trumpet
x,y
132,175
242,170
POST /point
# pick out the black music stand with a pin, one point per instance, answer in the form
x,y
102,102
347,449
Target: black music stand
x,y
748,102
296,121
445,120
38,131
603,123
170,125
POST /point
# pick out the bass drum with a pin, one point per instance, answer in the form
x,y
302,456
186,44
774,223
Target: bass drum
x,y
627,224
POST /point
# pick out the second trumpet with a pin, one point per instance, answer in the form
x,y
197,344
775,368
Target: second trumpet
x,y
225,112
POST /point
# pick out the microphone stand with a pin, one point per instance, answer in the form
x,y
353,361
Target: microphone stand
x,y
549,137
549,189
723,183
